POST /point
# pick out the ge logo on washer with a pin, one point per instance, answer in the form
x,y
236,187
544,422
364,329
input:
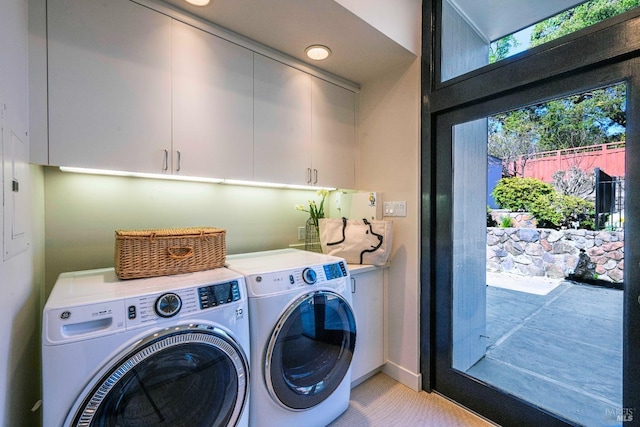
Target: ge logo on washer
x,y
65,315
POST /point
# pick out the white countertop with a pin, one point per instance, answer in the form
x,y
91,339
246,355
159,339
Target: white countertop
x,y
353,268
358,268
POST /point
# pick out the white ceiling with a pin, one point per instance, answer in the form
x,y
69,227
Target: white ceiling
x,y
359,51
494,19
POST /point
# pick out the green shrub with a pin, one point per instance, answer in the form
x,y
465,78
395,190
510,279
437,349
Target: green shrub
x,y
517,194
550,209
581,211
547,210
558,211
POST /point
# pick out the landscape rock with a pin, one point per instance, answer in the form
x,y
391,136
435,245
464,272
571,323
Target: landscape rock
x,y
554,253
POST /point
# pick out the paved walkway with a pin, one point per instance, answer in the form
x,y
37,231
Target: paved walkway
x,y
557,344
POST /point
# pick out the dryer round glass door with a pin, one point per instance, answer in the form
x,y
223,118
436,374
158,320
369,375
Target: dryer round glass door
x,y
310,350
191,375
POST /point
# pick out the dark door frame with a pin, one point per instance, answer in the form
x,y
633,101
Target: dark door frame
x,y
608,52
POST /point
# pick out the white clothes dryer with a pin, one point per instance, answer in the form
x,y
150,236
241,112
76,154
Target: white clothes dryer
x,y
163,351
303,336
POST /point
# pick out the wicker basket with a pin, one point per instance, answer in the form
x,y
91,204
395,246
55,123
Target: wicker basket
x,y
160,252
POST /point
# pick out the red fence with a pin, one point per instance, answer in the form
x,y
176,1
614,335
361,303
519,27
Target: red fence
x,y
607,157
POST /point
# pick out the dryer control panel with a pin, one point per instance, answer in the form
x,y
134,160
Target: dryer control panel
x,y
333,275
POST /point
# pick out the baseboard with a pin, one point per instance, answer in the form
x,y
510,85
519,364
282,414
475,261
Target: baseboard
x,y
402,375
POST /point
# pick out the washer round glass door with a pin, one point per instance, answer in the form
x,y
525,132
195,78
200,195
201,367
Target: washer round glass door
x,y
191,375
310,350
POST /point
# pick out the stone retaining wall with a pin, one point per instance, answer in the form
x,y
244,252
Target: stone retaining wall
x,y
553,253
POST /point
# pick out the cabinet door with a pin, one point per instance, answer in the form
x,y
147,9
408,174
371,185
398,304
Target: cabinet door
x,y
369,310
282,109
109,85
333,135
212,105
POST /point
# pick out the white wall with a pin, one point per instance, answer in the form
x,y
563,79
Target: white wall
x,y
21,276
390,163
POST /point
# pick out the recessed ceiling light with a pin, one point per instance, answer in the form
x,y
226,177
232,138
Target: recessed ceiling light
x,y
317,52
199,2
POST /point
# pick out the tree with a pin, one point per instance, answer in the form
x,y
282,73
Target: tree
x,y
592,117
500,49
589,118
579,17
513,137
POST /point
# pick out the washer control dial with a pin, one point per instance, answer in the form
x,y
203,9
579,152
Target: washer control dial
x,y
168,305
309,276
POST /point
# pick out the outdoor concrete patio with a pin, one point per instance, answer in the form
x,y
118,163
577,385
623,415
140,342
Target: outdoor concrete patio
x,y
557,344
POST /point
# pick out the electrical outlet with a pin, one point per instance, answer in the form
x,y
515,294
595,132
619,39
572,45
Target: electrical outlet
x,y
302,233
395,208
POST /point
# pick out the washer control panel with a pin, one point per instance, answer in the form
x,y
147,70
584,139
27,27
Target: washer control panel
x,y
158,307
147,309
334,271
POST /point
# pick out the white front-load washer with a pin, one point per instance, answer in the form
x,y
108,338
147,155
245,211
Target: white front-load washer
x,y
163,351
303,336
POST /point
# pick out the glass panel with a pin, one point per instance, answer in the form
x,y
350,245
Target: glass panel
x,y
476,33
180,379
312,351
538,253
559,25
469,243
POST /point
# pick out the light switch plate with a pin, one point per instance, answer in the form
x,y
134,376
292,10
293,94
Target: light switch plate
x,y
395,208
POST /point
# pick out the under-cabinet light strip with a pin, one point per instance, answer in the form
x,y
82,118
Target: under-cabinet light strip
x,y
190,178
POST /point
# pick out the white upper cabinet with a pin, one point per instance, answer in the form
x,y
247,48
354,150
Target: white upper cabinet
x,y
212,105
304,128
135,90
282,123
333,135
109,85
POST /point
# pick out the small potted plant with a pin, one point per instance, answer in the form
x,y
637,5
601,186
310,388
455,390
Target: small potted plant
x,y
315,211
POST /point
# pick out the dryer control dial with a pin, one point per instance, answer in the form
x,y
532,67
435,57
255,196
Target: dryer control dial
x,y
168,305
309,276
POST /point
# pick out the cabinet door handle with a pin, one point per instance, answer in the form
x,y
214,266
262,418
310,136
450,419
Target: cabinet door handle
x,y
308,175
179,161
165,161
315,176
353,285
